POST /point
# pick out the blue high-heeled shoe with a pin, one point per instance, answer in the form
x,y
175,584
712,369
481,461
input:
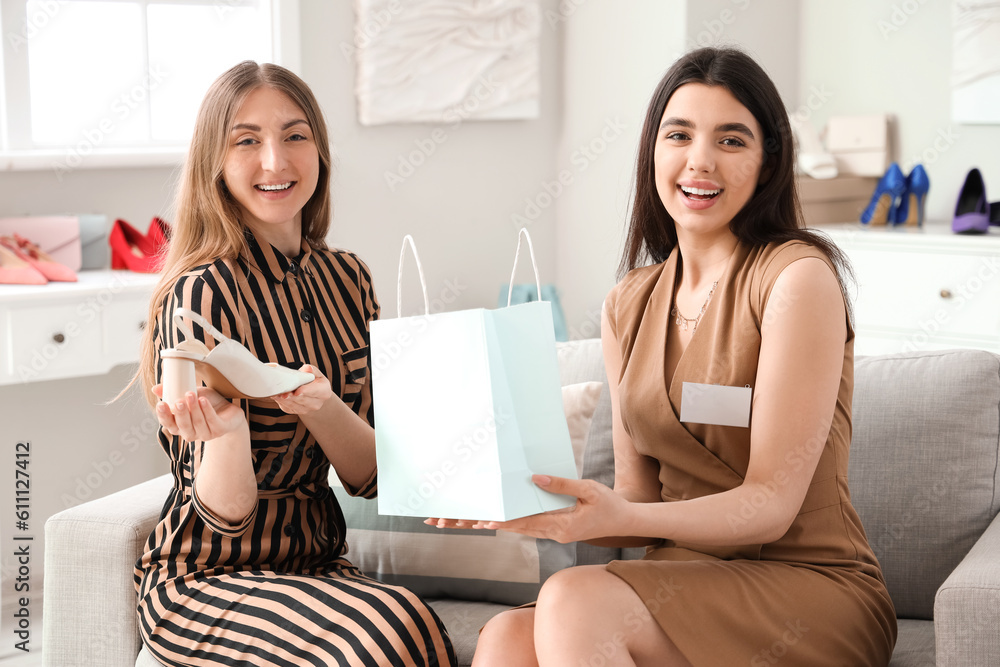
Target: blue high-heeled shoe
x,y
881,209
911,204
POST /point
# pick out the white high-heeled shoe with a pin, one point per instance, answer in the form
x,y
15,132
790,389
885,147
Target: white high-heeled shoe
x,y
228,368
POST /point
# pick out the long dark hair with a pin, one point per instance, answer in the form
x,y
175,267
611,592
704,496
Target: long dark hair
x,y
773,213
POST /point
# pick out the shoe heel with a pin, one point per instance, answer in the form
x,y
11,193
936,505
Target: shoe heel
x,y
911,211
883,207
882,210
911,204
178,377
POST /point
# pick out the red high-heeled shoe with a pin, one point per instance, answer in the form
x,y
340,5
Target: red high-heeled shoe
x,y
40,260
135,251
159,232
16,271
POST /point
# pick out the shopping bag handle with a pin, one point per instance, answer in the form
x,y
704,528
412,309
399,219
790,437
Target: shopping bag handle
x,y
531,251
399,281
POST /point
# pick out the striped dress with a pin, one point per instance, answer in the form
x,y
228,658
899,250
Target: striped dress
x,y
275,589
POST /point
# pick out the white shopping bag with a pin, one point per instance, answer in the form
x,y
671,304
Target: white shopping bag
x,y
468,406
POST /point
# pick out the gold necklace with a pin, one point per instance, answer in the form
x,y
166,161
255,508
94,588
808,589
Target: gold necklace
x,y
682,321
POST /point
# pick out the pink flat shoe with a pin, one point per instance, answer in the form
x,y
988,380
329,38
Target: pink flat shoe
x,y
228,368
16,271
40,260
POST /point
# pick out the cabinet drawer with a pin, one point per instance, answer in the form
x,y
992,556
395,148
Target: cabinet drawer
x,y
47,342
929,292
124,321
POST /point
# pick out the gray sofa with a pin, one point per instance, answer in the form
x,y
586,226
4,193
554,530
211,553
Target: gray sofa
x,y
924,472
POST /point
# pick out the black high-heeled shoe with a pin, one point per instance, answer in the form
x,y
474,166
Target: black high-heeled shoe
x,y
972,212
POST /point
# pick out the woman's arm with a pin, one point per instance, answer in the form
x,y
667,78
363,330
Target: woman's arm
x,y
225,484
798,378
346,437
347,440
636,476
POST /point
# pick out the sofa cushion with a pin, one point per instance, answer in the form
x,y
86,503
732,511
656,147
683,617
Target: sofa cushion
x,y
924,464
583,361
463,620
484,565
914,644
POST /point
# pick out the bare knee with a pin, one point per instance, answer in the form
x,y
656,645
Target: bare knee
x,y
595,613
508,638
575,587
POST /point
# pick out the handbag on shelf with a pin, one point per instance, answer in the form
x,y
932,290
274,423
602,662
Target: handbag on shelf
x,y
55,235
859,144
95,253
468,405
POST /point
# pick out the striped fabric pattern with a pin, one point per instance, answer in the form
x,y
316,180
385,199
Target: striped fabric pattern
x,y
274,588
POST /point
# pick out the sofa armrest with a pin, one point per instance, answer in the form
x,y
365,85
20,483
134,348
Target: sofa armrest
x,y
967,607
89,595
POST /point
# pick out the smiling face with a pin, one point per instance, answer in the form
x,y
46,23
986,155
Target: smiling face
x,y
272,165
707,159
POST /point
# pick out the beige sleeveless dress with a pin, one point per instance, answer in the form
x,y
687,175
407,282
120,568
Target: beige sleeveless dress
x,y
814,597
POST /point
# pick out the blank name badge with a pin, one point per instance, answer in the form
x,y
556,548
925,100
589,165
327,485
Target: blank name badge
x,y
715,404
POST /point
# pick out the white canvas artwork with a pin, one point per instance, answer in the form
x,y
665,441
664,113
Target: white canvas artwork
x,y
446,61
975,95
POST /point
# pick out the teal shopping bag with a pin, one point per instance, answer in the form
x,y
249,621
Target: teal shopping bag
x,y
526,293
468,406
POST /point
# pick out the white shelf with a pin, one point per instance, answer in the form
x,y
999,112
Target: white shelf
x,y
64,330
922,287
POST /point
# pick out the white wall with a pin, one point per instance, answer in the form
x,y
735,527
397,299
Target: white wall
x,y
768,31
613,61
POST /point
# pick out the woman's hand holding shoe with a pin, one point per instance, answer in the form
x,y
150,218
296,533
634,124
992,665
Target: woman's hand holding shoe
x,y
310,397
202,415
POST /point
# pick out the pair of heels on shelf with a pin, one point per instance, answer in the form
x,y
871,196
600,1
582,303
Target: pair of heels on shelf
x,y
973,212
134,251
228,368
898,199
24,263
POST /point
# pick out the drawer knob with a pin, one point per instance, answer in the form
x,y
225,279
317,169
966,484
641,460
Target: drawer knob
x,y
946,294
59,338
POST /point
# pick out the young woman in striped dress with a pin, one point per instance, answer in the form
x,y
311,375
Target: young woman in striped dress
x,y
246,565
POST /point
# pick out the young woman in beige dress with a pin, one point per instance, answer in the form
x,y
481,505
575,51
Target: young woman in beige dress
x,y
754,553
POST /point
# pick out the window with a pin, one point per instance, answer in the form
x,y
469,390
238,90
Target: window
x,y
118,82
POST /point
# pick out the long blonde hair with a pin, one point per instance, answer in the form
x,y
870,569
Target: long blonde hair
x,y
207,225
